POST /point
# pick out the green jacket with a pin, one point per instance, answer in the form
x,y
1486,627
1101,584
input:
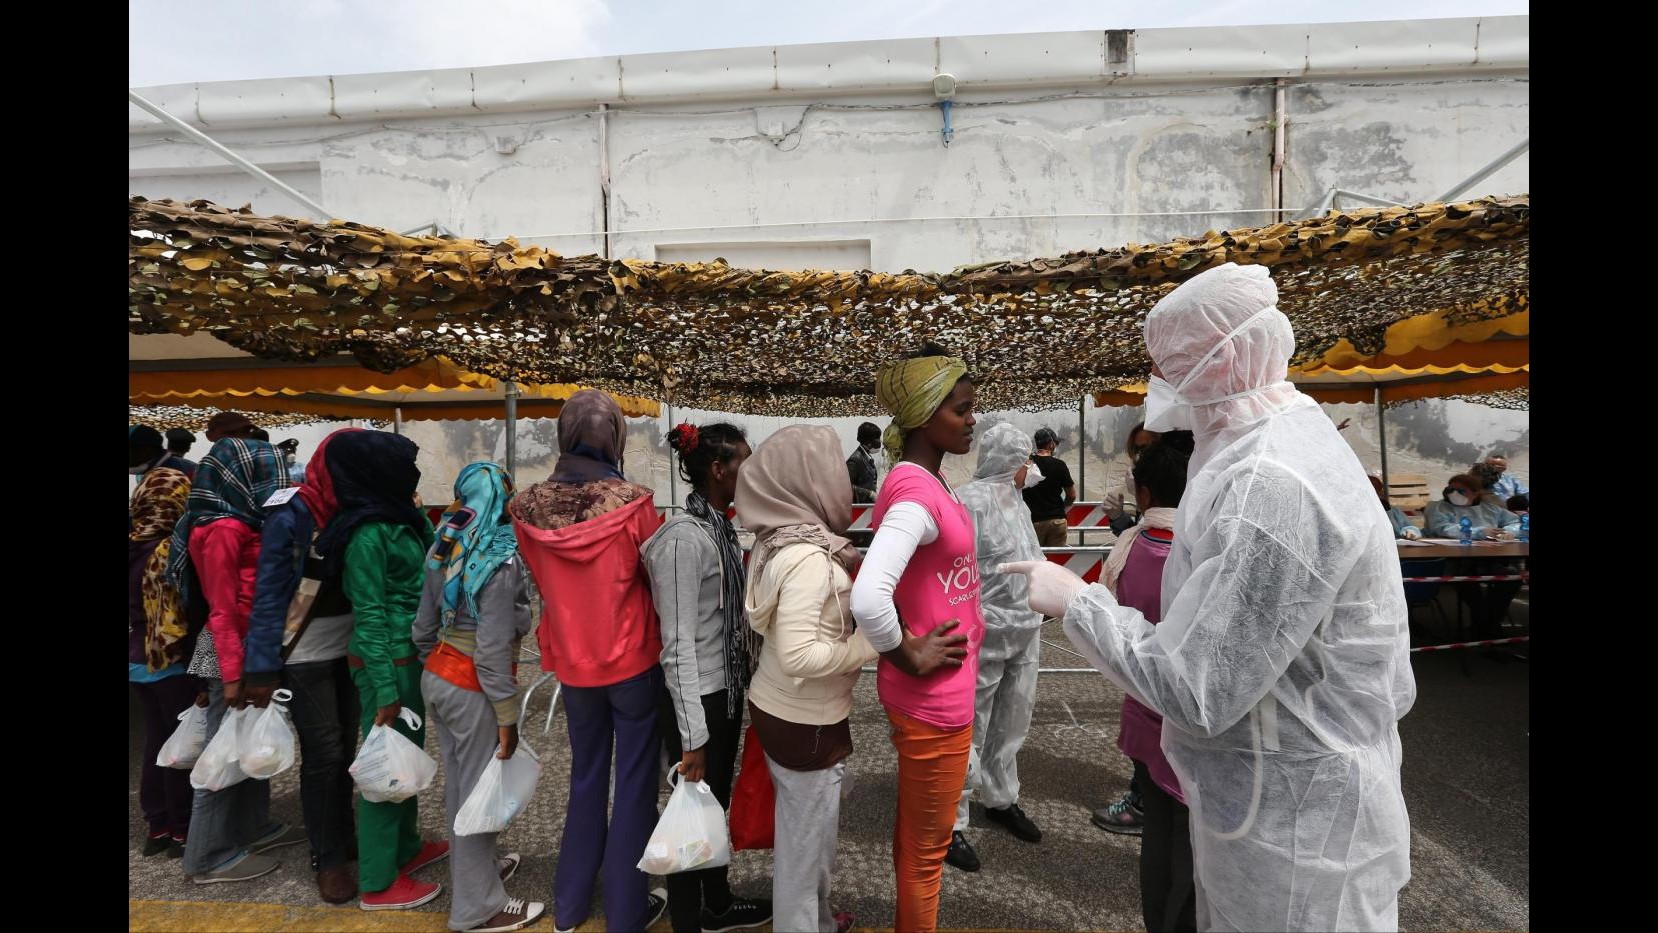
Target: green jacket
x,y
382,578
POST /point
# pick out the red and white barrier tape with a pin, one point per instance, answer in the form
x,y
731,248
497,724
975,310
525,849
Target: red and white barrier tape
x,y
1473,644
1489,578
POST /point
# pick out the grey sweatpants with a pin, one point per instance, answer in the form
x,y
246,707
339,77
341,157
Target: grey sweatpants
x,y
1003,700
468,737
807,832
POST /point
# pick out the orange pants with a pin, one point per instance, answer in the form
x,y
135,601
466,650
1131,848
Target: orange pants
x,y
932,766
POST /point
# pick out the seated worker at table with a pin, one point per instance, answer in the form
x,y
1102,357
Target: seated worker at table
x,y
1519,505
1465,497
1402,526
1490,521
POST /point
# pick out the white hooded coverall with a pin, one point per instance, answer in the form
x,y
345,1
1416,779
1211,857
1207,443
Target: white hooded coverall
x,y
1281,665
1005,694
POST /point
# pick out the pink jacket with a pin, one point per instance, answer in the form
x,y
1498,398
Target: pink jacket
x,y
1141,587
598,625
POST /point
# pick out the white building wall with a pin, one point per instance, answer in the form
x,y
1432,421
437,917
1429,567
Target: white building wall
x,y
829,155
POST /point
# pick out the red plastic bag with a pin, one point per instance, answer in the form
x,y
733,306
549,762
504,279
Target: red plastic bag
x,y
753,799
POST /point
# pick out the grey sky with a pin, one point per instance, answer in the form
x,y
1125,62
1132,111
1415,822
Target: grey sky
x,y
180,41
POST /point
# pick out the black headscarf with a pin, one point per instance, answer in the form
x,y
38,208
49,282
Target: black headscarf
x,y
375,478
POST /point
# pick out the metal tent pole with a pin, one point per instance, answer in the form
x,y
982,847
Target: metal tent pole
x,y
1381,434
673,468
1082,449
512,431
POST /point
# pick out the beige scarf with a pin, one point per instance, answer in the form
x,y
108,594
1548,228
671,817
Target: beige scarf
x,y
1161,519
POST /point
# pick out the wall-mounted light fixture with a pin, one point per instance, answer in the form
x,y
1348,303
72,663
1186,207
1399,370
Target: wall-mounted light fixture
x,y
944,88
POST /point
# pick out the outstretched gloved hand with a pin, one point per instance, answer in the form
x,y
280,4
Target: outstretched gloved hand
x,y
1052,587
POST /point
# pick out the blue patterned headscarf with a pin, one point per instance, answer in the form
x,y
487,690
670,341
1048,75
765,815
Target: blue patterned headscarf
x,y
474,536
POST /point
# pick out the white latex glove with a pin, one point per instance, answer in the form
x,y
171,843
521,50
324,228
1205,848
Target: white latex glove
x,y
1411,534
1497,534
1033,476
1052,587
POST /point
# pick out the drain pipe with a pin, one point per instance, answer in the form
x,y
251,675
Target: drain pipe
x,y
1279,117
604,179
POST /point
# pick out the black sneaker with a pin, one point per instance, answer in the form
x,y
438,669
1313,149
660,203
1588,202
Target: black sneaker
x,y
155,845
1016,822
961,853
655,906
743,914
1123,817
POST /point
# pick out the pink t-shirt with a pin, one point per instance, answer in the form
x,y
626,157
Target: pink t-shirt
x,y
940,583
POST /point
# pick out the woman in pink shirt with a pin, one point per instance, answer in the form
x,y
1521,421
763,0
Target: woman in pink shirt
x,y
215,553
917,601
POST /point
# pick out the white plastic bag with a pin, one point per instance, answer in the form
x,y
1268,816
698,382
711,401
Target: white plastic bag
x,y
267,746
390,768
218,768
691,833
185,745
502,791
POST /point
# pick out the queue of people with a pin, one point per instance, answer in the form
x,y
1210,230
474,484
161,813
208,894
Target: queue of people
x,y
1253,615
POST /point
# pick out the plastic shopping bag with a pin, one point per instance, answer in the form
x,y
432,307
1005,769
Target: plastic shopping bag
x,y
390,768
218,766
753,799
185,745
267,746
501,793
691,833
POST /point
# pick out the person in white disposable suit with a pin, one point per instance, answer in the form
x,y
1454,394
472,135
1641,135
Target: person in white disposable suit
x,y
1005,693
1281,665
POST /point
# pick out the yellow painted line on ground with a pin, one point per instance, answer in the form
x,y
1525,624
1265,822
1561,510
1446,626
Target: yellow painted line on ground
x,y
237,917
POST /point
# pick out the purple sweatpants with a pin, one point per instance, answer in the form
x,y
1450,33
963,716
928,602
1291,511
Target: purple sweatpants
x,y
620,717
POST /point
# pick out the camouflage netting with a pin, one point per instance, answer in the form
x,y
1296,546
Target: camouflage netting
x,y
166,417
1508,399
1037,334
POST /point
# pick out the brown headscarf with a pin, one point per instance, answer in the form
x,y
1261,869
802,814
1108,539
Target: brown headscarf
x,y
591,432
793,489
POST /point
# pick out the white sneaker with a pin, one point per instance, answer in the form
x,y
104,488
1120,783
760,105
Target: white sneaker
x,y
515,916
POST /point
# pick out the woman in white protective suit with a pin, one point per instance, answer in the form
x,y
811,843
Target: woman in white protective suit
x,y
1281,665
1005,693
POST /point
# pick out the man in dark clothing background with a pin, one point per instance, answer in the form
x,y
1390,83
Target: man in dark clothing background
x,y
179,442
1049,499
861,465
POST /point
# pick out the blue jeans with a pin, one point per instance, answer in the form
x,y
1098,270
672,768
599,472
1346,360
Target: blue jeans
x,y
224,822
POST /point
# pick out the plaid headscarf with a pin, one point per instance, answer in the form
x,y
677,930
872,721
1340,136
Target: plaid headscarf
x,y
157,504
232,481
911,390
474,537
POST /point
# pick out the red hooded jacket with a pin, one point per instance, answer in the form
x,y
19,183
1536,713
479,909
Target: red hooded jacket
x,y
598,625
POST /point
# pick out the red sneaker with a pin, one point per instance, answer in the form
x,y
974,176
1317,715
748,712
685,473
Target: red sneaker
x,y
429,852
404,894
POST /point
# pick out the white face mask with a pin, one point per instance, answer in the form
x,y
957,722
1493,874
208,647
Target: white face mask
x,y
1457,498
1165,410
